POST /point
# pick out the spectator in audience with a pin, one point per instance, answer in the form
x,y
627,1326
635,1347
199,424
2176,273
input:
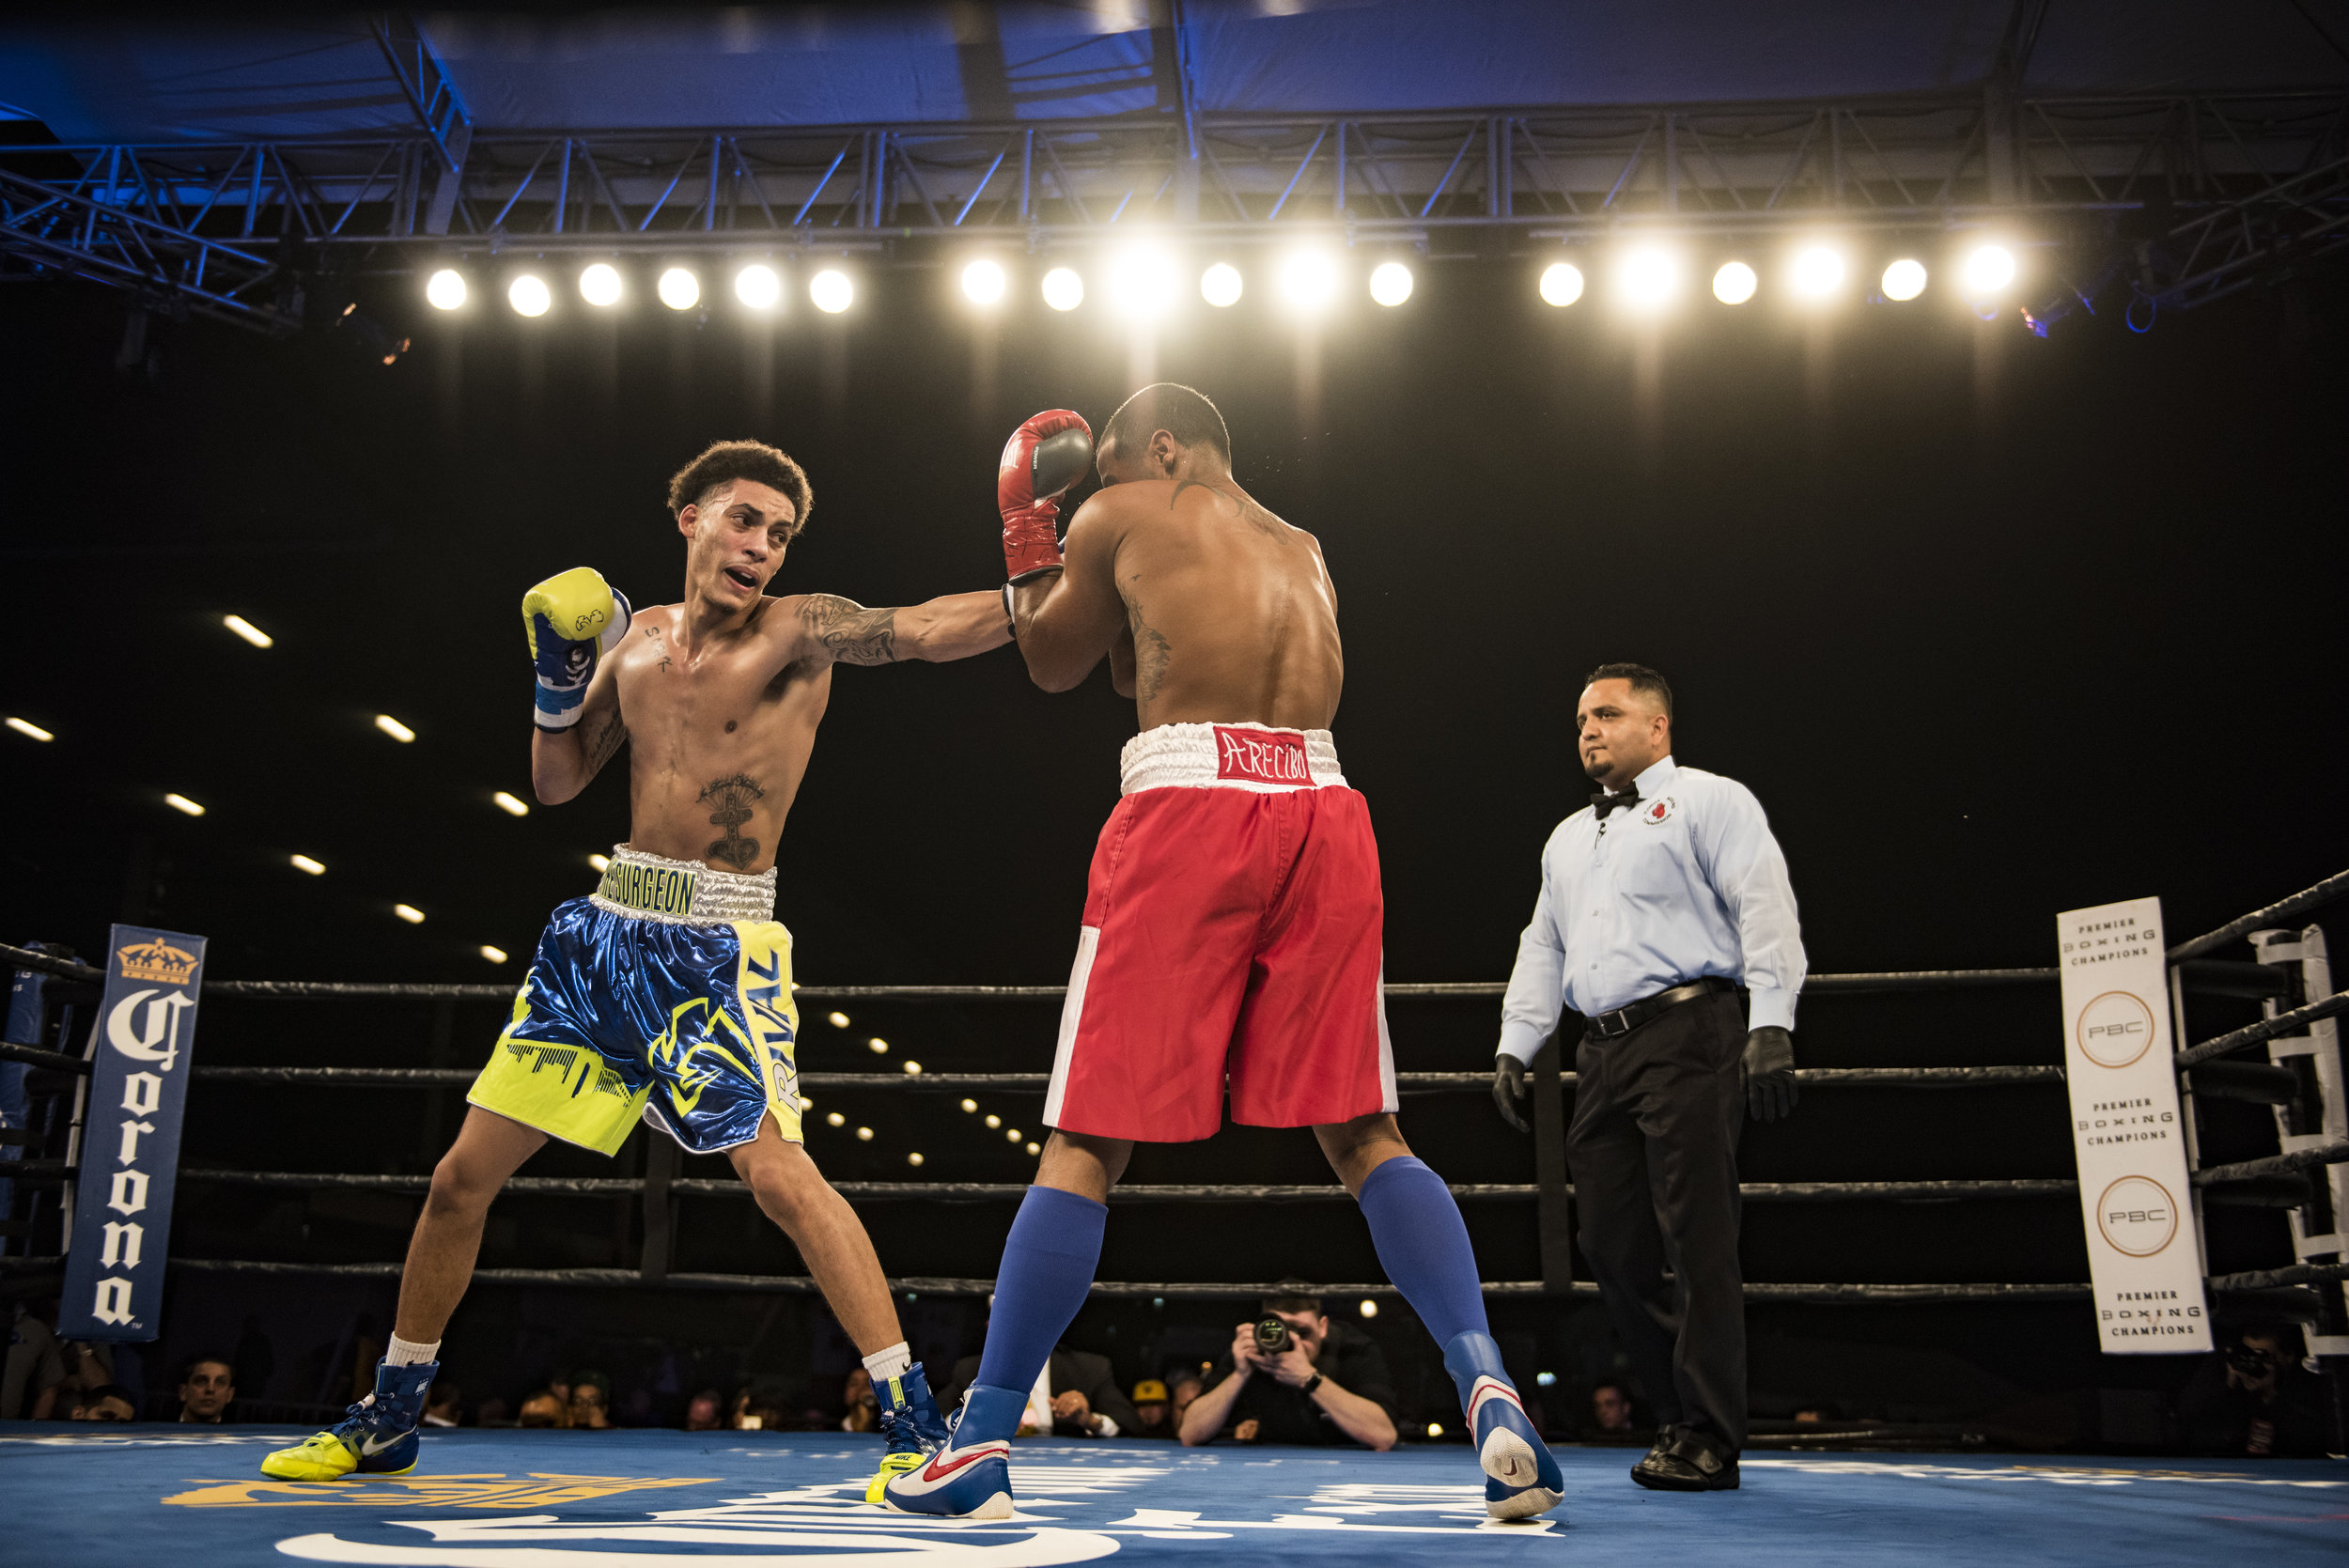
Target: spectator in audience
x,y
863,1406
492,1412
591,1402
545,1408
2254,1398
705,1412
440,1404
206,1388
35,1365
1328,1385
105,1402
1075,1396
1182,1388
762,1406
1610,1410
1150,1406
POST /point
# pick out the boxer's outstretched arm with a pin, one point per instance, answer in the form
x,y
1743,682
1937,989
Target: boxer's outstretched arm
x,y
561,762
1065,622
953,626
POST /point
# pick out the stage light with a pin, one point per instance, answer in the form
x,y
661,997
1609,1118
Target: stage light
x,y
509,804
1035,1148
1391,283
914,1069
529,296
838,1020
1988,269
1370,1308
1735,284
409,912
1545,1379
181,803
599,285
495,955
1220,285
1905,279
26,729
1064,289
970,1105
600,862
915,1159
444,289
679,289
878,1046
394,728
1562,282
994,1120
807,1102
758,286
247,630
1013,1135
1434,1429
864,1134
1308,281
1141,283
983,283
1817,272
1647,277
831,291
835,1120
303,863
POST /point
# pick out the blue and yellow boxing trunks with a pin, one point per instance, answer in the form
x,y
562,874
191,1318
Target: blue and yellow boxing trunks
x,y
665,995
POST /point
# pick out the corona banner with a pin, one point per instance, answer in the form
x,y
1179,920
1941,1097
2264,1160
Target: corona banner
x,y
2144,1250
143,1040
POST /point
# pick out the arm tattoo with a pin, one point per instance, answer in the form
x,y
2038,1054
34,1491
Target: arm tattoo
x,y
848,631
604,740
730,800
1151,653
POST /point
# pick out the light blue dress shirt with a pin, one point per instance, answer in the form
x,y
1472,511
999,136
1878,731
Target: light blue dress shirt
x,y
1686,884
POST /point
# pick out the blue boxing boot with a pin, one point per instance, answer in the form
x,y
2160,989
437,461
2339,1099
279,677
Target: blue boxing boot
x,y
1521,1478
377,1436
970,1477
911,1421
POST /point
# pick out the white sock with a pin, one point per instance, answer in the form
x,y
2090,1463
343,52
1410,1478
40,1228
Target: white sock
x,y
404,1353
893,1363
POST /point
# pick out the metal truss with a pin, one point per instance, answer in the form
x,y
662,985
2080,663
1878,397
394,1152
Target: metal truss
x,y
2245,176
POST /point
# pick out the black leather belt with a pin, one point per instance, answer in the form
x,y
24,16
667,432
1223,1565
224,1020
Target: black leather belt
x,y
1623,1020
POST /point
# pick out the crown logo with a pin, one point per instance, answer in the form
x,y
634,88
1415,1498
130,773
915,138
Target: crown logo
x,y
157,961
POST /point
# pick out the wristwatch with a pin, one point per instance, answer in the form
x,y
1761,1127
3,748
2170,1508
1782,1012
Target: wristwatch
x,y
1307,1388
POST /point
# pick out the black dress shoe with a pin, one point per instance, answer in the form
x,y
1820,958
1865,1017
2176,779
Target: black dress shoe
x,y
1686,1461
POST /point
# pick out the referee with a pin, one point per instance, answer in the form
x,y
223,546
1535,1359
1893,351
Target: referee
x,y
1659,903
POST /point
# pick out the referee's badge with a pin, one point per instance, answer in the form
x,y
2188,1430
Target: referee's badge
x,y
1660,812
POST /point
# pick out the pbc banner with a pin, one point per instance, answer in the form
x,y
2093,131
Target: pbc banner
x,y
145,1035
2144,1255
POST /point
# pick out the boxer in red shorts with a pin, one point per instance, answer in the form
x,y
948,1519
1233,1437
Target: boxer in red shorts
x,y
1232,922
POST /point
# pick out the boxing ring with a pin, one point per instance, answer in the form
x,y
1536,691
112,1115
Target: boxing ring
x,y
561,1498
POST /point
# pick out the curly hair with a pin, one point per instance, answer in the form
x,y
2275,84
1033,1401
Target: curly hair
x,y
729,461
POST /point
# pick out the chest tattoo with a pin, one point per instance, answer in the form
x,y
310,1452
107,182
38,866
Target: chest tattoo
x,y
731,799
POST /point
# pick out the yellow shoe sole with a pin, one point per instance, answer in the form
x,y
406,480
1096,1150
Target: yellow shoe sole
x,y
895,1464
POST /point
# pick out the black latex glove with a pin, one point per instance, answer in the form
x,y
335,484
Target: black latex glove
x,y
1767,1072
1509,1090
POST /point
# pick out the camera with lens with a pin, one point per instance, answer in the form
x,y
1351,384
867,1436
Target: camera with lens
x,y
1273,1336
2247,1361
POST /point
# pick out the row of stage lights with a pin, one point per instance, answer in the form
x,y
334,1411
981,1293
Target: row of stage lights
x,y
1145,283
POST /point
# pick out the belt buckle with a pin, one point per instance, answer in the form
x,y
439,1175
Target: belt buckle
x,y
1617,1022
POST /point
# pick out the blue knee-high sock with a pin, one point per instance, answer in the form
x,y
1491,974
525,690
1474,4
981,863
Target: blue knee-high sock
x,y
1423,1246
1047,1272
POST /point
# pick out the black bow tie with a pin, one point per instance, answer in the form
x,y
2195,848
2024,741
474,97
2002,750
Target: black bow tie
x,y
1603,802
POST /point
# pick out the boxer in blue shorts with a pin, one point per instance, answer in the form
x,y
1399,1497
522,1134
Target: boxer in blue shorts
x,y
665,995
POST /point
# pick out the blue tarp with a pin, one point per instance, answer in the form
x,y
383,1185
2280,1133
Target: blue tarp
x,y
155,78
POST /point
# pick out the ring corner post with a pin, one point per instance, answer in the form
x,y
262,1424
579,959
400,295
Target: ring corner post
x,y
1554,1199
662,1160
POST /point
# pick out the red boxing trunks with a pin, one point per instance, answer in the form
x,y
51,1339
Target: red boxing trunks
x,y
1232,930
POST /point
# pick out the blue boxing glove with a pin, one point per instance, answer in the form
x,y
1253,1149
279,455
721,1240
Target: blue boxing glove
x,y
572,619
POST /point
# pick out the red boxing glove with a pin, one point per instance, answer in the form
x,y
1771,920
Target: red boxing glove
x,y
1044,457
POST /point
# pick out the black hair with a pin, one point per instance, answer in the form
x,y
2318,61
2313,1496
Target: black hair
x,y
729,460
1642,680
1183,412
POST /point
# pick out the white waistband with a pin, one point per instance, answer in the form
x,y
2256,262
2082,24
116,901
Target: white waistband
x,y
685,893
1228,756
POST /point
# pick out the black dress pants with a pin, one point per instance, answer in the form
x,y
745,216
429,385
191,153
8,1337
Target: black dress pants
x,y
1654,1150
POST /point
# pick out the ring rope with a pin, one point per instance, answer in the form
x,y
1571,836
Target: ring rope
x,y
2335,886
2267,1029
2335,1153
595,1186
1921,1078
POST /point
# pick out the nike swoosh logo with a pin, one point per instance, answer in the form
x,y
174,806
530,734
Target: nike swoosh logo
x,y
370,1447
933,1472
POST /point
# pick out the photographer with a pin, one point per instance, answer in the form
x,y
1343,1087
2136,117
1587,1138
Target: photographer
x,y
2254,1398
1295,1378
